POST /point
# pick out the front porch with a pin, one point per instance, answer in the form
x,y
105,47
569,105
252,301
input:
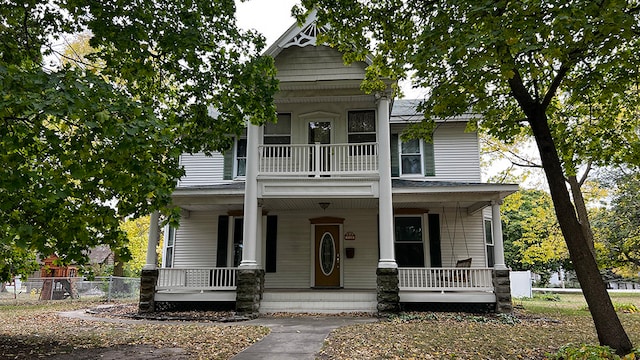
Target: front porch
x,y
417,285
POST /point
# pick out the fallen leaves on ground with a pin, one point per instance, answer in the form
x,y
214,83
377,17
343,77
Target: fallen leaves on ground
x,y
38,331
464,336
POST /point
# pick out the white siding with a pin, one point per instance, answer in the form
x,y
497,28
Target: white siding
x,y
314,63
195,244
294,267
201,169
457,153
461,237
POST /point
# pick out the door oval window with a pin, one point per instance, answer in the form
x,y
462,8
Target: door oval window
x,y
327,254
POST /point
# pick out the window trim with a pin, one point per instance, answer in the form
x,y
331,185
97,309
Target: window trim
x,y
487,244
265,135
374,132
236,158
424,229
420,153
169,244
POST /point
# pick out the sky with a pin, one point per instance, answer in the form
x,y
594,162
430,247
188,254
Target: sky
x,y
273,17
270,17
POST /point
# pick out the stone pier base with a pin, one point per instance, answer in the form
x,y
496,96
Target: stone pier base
x,y
249,292
148,281
502,286
388,291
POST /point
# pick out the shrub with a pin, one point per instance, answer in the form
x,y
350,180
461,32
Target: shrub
x,y
590,352
628,308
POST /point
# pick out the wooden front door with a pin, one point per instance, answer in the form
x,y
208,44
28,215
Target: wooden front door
x,y
327,256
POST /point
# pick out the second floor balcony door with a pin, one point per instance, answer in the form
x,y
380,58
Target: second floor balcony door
x,y
320,157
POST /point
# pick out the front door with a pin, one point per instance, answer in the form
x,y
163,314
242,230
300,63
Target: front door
x,y
327,256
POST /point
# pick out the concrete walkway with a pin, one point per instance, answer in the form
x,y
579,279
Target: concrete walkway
x,y
294,338
298,337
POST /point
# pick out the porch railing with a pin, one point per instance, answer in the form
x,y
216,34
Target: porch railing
x,y
443,279
197,279
318,159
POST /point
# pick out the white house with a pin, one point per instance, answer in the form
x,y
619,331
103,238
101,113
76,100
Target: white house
x,y
329,210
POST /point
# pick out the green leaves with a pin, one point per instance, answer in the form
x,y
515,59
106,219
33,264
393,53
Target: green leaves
x,y
95,140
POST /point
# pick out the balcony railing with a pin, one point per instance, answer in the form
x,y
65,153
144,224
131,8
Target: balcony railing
x,y
197,279
445,279
318,159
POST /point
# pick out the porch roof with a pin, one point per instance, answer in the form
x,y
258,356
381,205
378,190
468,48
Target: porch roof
x,y
470,195
406,194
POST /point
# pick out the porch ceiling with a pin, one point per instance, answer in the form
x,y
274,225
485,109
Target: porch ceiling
x,y
406,194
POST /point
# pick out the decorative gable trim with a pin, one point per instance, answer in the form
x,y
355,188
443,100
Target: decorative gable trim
x,y
307,36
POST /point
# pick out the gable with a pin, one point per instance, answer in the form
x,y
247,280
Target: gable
x,y
315,63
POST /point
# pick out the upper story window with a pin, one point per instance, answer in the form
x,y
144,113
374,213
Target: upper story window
x,y
241,157
278,133
361,126
411,157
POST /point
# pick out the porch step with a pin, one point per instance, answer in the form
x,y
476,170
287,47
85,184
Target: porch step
x,y
318,301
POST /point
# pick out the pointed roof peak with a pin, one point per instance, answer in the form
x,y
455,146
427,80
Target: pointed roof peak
x,y
296,35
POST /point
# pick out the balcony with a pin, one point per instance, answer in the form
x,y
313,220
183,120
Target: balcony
x,y
318,160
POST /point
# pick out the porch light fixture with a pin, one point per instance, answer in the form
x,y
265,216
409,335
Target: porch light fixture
x,y
324,205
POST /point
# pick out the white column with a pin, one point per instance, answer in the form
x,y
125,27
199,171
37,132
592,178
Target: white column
x,y
250,232
260,238
152,244
385,203
498,242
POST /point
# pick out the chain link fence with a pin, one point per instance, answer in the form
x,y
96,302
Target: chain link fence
x,y
51,288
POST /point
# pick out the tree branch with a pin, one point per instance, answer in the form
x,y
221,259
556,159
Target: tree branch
x,y
586,174
555,84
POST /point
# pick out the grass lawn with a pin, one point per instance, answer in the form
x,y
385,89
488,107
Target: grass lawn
x,y
545,323
36,331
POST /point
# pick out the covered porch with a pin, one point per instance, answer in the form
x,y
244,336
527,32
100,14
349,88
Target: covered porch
x,y
292,287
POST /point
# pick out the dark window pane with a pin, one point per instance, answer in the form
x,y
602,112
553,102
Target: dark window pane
x,y
362,138
411,164
488,234
242,167
408,229
237,241
319,132
410,255
277,140
490,256
241,150
283,126
411,147
362,121
168,262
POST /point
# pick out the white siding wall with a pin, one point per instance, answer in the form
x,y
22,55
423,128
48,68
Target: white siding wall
x,y
456,227
457,153
196,242
294,268
313,63
201,169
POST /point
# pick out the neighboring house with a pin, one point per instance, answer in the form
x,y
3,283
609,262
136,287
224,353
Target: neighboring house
x,y
329,210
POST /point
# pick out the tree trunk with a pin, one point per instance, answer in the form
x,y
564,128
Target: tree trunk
x,y
118,265
606,321
581,209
